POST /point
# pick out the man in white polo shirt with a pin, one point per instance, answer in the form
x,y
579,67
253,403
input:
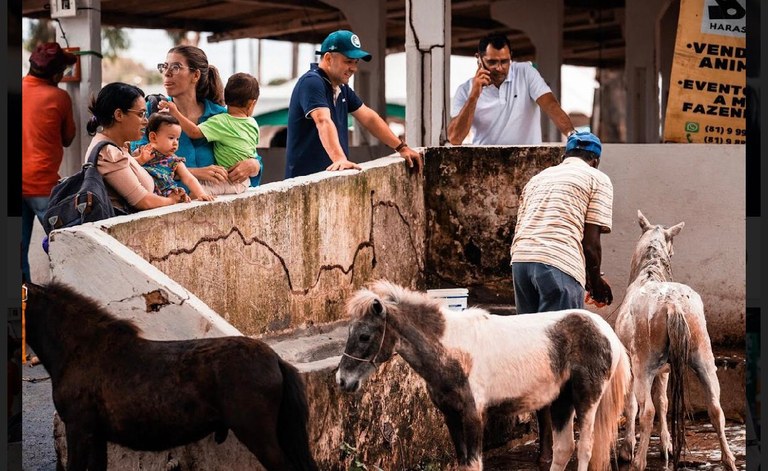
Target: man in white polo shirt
x,y
556,251
501,103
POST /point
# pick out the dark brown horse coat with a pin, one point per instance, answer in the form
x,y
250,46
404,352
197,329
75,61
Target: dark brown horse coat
x,y
111,385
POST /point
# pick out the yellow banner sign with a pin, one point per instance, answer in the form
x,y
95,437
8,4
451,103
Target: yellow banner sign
x,y
707,99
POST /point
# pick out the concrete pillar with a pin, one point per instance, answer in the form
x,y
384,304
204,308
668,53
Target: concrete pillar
x,y
665,49
641,69
427,56
542,21
83,31
369,21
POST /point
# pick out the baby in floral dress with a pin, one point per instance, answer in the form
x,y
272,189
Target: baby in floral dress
x,y
159,158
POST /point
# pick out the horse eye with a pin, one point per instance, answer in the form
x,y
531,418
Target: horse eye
x,y
365,337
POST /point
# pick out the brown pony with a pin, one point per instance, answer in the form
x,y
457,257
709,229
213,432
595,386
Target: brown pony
x,y
111,385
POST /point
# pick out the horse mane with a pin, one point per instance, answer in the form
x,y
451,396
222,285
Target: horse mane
x,y
651,257
85,312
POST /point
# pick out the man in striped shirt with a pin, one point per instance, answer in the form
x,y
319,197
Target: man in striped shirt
x,y
556,253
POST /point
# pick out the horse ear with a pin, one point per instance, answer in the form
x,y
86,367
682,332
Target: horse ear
x,y
675,230
644,224
378,309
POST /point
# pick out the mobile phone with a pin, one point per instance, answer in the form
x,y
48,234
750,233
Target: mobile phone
x,y
481,64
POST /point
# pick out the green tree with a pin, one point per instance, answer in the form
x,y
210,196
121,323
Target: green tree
x,y
113,40
180,37
41,31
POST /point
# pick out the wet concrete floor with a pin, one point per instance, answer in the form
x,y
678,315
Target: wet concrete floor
x,y
703,451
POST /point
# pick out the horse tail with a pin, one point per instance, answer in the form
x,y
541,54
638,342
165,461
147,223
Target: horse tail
x,y
292,431
609,411
679,347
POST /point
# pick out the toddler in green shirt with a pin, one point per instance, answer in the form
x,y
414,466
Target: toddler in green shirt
x,y
234,134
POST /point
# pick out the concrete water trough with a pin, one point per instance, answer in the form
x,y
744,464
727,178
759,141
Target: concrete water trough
x,y
279,261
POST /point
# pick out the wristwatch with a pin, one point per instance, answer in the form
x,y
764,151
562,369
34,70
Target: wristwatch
x,y
401,146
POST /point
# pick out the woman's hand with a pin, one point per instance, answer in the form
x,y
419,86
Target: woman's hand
x,y
244,170
178,195
211,173
202,196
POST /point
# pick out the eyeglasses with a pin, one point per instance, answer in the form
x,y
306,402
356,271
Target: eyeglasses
x,y
140,113
174,67
493,63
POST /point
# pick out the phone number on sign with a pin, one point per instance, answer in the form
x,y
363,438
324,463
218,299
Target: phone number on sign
x,y
723,130
720,140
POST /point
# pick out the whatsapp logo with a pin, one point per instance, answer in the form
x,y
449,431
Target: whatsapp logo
x,y
691,126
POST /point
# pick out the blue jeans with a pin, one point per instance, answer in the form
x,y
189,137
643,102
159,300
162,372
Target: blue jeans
x,y
541,288
31,207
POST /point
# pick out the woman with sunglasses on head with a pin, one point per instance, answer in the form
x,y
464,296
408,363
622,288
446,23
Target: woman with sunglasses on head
x,y
119,116
196,88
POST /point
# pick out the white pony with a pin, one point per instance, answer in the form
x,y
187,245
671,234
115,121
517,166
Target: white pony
x,y
662,325
570,360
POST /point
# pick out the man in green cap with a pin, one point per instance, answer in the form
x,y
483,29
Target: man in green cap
x,y
320,103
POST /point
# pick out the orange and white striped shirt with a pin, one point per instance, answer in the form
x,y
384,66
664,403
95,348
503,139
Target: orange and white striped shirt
x,y
554,206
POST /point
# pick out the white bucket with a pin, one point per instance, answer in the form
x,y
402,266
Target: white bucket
x,y
452,298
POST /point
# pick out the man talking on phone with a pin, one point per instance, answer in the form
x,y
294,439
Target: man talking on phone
x,y
501,103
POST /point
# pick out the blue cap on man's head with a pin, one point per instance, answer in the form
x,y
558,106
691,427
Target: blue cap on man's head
x,y
345,42
584,140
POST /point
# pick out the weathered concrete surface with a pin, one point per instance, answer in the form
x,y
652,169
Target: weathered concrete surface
x,y
96,265
703,185
290,253
471,196
731,375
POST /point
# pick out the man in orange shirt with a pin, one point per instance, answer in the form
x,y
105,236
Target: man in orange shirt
x,y
47,126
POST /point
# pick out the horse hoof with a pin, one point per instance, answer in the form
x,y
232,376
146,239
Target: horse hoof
x,y
625,454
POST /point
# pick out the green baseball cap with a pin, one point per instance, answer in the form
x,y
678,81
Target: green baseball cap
x,y
345,42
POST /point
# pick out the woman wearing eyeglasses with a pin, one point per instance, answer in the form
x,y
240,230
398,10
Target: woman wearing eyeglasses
x,y
119,116
196,88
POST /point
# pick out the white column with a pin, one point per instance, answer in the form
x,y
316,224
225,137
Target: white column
x,y
641,70
542,21
427,50
83,31
368,20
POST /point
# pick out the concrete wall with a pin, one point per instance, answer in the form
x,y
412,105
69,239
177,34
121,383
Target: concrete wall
x,y
471,198
276,257
703,185
287,255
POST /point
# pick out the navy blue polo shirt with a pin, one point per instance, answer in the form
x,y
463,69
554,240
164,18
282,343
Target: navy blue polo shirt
x,y
304,153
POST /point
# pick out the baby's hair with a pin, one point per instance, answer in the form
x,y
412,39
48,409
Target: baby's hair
x,y
240,89
158,119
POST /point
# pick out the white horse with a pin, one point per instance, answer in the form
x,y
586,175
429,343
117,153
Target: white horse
x,y
662,325
570,360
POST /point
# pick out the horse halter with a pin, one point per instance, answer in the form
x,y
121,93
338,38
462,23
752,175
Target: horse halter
x,y
373,360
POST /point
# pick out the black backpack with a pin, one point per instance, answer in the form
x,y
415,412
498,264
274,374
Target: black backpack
x,y
80,198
